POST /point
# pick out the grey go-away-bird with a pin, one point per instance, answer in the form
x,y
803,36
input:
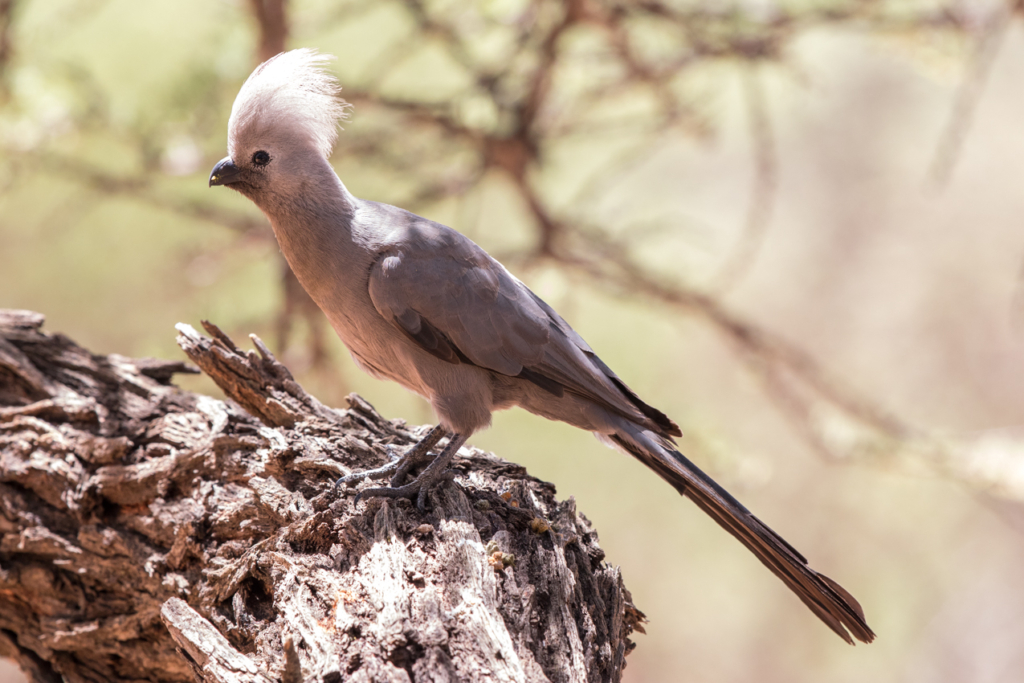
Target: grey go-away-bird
x,y
419,303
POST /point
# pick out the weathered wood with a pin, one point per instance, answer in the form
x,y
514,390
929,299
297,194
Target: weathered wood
x,y
147,533
211,655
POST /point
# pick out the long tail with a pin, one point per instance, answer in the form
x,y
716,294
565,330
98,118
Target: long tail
x,y
822,595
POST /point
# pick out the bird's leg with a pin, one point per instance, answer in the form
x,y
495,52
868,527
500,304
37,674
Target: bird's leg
x,y
407,463
435,473
399,465
416,455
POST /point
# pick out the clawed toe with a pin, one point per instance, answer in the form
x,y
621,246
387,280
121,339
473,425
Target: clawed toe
x,y
399,464
370,474
435,473
418,488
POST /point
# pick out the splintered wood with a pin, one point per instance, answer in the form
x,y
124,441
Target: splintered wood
x,y
148,533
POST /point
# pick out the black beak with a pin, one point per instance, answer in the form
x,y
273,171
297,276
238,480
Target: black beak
x,y
224,173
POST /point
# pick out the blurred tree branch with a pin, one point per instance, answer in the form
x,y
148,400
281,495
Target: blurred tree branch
x,y
766,170
6,43
272,20
986,48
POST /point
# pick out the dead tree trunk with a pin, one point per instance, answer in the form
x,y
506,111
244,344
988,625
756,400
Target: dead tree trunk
x,y
148,533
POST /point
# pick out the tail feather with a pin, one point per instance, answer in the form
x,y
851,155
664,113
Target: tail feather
x,y
826,598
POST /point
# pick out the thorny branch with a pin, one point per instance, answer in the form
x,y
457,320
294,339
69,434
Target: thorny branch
x,y
534,98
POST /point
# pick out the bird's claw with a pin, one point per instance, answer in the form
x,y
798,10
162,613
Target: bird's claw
x,y
402,471
371,474
435,473
397,462
418,487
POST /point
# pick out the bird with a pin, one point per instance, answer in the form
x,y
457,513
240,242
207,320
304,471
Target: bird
x,y
419,303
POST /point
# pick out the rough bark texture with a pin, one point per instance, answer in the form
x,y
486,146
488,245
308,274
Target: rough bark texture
x,y
147,533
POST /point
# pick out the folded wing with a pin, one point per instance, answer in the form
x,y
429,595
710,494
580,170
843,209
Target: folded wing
x,y
457,303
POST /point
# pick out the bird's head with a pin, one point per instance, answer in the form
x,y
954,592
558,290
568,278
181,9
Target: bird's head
x,y
283,123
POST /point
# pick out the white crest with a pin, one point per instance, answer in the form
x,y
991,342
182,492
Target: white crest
x,y
290,93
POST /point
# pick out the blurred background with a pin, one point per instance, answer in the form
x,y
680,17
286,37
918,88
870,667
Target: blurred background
x,y
796,227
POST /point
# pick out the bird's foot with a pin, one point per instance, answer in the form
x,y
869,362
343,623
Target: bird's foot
x,y
435,473
377,472
418,487
399,464
407,463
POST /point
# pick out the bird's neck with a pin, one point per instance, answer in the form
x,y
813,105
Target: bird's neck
x,y
314,227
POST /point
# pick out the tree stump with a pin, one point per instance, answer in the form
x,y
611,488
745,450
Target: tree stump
x,y
149,533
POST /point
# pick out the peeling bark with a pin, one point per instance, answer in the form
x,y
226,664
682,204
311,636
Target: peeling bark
x,y
148,533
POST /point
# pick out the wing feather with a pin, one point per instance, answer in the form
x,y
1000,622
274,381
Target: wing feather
x,y
460,305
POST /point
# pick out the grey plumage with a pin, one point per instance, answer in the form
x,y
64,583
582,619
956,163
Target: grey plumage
x,y
418,303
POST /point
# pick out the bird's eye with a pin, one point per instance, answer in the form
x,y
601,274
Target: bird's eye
x,y
261,158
